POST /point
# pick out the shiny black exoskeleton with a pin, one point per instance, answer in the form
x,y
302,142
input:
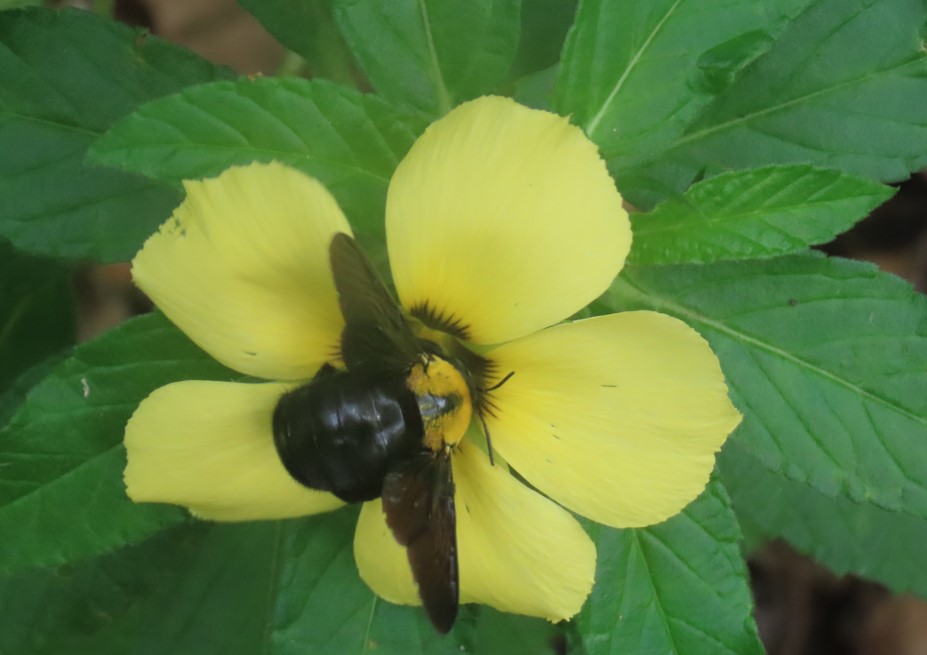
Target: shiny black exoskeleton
x,y
384,426
345,430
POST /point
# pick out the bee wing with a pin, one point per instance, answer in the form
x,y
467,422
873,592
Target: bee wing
x,y
418,499
375,329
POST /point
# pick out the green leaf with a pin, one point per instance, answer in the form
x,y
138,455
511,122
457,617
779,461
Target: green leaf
x,y
16,391
61,454
37,323
678,587
281,588
66,76
635,74
350,141
534,90
322,605
14,4
844,87
827,360
63,610
36,311
754,213
544,27
308,28
142,599
498,633
431,54
845,536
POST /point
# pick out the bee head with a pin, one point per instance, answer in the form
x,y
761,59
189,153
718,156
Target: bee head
x,y
444,401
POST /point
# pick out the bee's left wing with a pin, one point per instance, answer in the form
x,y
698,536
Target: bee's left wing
x,y
418,499
376,332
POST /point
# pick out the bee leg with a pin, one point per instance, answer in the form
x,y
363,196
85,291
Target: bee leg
x,y
498,384
492,460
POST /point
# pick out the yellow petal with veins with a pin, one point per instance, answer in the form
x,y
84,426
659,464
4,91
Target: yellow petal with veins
x,y
617,417
518,552
209,446
502,220
242,268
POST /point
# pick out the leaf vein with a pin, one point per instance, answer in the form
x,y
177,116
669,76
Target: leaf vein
x,y
698,318
593,124
748,117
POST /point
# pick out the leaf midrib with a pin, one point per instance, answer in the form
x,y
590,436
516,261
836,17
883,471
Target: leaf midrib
x,y
664,620
57,479
103,155
13,318
735,217
273,588
717,643
444,98
68,127
759,344
593,124
772,109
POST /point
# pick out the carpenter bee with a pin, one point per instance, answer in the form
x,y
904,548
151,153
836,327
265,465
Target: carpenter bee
x,y
384,426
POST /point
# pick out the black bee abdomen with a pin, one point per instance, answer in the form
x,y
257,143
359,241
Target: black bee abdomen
x,y
343,430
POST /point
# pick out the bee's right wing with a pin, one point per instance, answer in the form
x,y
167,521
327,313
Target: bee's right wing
x,y
418,499
376,333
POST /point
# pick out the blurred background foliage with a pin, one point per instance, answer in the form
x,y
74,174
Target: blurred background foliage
x,y
801,607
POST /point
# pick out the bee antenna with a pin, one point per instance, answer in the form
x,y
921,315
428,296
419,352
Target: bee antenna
x,y
498,384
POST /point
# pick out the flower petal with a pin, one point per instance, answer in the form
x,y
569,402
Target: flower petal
x,y
381,561
518,552
242,268
209,447
617,417
503,220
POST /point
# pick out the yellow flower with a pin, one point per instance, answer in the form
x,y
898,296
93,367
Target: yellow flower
x,y
501,222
